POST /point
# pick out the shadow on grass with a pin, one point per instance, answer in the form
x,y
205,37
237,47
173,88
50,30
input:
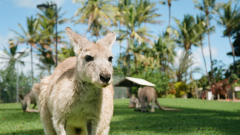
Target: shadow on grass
x,y
18,115
189,121
27,132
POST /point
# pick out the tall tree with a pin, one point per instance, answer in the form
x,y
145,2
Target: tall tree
x,y
97,14
29,36
229,18
47,29
188,36
236,42
134,16
169,2
184,62
201,28
165,51
121,6
207,6
12,60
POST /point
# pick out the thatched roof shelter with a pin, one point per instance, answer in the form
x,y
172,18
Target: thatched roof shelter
x,y
130,81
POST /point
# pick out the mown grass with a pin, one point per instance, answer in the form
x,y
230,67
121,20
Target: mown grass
x,y
199,117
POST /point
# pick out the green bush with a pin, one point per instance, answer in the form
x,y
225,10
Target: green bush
x,y
180,88
232,78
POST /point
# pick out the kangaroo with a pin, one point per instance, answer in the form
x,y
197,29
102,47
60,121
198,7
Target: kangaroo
x,y
78,99
133,103
147,95
31,97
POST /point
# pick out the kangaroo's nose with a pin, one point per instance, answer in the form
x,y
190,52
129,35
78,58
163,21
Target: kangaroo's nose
x,y
105,77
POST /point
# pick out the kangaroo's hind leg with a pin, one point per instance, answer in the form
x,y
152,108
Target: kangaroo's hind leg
x,y
46,119
152,106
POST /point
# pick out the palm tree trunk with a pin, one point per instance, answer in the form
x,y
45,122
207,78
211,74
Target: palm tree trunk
x,y
128,57
31,64
17,86
120,42
233,52
210,53
136,63
169,23
209,81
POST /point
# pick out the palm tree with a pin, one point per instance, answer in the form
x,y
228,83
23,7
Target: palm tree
x,y
185,61
188,36
201,28
169,7
119,17
230,19
236,42
131,19
207,7
12,59
97,14
66,52
134,15
165,51
30,36
47,24
146,11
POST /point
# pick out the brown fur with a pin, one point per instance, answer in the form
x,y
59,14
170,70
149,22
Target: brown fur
x,y
148,95
31,97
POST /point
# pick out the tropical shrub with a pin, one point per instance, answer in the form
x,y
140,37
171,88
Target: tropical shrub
x,y
180,88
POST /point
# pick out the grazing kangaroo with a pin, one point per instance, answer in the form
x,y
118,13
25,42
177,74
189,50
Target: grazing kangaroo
x,y
78,98
147,95
31,97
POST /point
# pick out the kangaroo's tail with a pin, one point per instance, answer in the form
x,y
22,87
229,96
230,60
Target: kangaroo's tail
x,y
165,108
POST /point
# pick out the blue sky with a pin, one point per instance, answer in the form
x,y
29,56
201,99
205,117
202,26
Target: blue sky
x,y
13,12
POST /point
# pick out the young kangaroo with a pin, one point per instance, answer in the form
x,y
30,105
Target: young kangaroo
x,y
31,97
79,96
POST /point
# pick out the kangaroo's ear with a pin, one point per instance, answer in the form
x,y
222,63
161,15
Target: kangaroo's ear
x,y
108,40
21,96
78,41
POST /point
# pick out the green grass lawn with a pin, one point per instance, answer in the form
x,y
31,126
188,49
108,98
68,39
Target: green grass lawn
x,y
198,118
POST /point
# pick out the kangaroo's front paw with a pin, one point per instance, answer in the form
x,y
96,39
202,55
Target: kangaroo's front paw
x,y
151,111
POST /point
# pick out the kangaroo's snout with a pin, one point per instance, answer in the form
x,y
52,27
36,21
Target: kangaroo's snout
x,y
105,77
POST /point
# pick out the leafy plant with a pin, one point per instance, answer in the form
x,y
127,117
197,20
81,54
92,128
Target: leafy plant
x,y
180,88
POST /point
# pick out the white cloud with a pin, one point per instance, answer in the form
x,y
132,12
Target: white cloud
x,y
4,39
198,55
34,3
206,51
197,60
25,69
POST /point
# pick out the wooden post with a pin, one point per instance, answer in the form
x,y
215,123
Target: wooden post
x,y
218,96
226,96
233,94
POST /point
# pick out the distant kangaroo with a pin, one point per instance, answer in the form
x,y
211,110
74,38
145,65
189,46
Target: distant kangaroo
x,y
78,98
31,97
147,95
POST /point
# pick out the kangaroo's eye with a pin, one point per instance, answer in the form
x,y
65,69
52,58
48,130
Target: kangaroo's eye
x,y
88,58
110,59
